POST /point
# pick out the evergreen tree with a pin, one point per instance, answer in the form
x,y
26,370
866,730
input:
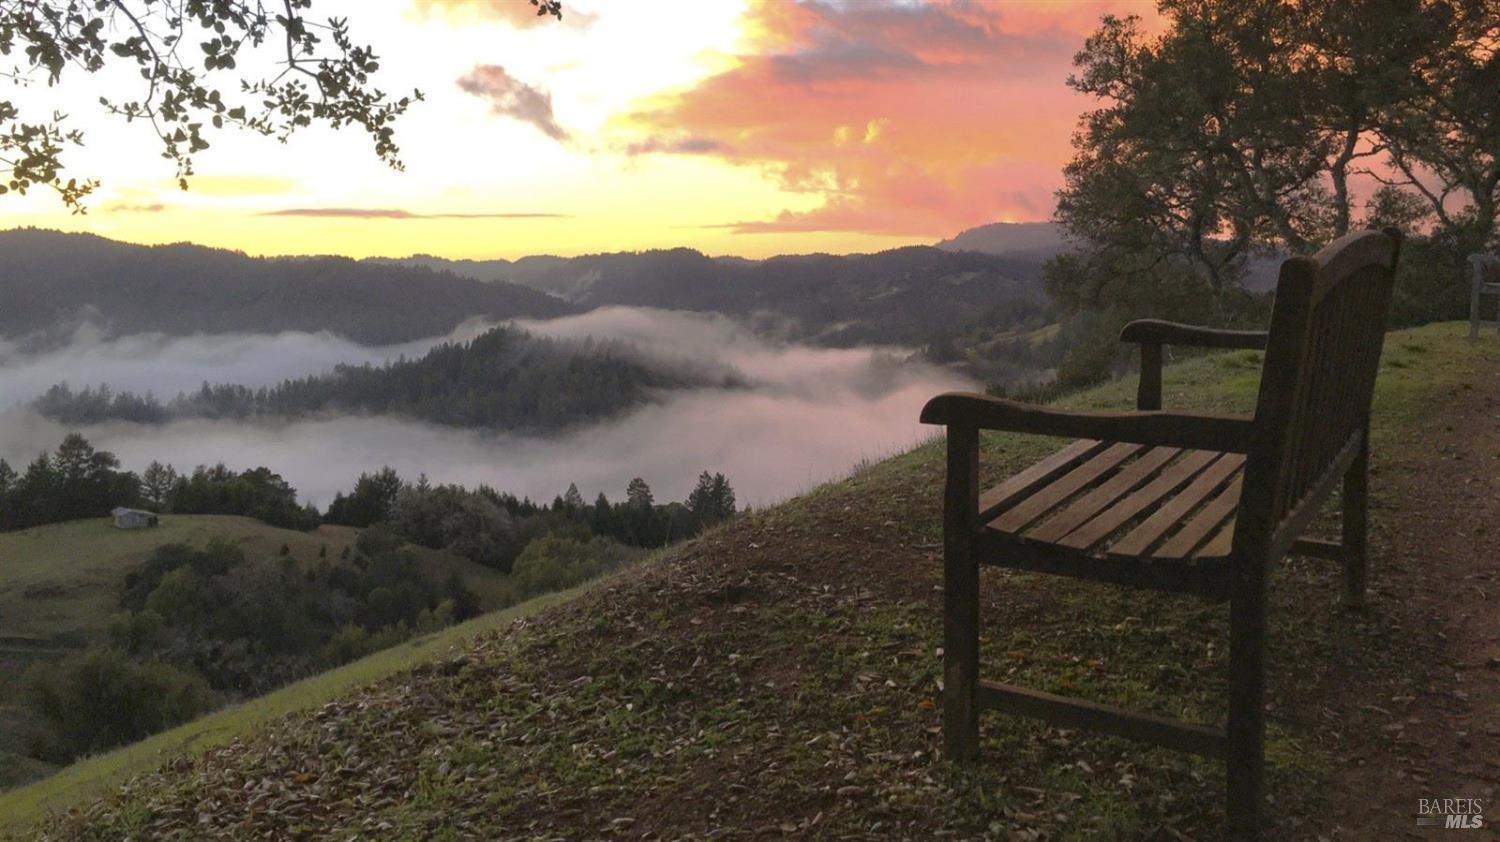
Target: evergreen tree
x,y
73,458
370,502
712,499
638,494
157,483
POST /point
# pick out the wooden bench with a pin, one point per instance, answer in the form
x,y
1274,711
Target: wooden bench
x,y
1484,280
1188,503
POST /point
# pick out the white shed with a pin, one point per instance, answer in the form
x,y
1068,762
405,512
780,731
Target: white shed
x,y
133,518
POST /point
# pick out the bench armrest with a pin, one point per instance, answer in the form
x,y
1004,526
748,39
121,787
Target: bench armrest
x,y
1152,334
1170,429
1157,332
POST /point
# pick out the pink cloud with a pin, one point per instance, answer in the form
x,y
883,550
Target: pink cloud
x,y
906,119
510,97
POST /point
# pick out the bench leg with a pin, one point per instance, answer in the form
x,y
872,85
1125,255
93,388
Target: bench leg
x,y
1245,735
961,598
961,659
1356,524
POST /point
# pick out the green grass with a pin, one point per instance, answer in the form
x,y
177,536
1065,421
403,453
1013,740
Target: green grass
x,y
64,579
791,652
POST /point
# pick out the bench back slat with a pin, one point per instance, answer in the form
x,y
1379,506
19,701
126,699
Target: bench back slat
x,y
1322,355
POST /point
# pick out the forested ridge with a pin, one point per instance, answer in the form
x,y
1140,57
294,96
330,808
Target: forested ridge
x,y
504,379
184,289
181,289
905,296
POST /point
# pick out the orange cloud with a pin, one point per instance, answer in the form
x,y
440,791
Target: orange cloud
x,y
906,119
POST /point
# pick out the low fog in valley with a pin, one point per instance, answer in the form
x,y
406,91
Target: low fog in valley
x,y
805,414
167,365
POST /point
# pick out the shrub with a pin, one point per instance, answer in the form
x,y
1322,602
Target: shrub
x,y
137,632
100,698
554,563
353,642
376,540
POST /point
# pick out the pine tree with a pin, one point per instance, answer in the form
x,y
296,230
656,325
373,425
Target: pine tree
x,y
73,457
157,483
712,499
638,494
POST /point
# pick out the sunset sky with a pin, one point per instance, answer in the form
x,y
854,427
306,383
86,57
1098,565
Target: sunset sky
x,y
749,128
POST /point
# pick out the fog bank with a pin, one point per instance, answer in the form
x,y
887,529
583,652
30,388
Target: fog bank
x,y
810,414
167,365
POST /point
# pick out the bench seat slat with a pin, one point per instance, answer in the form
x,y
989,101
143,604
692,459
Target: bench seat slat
x,y
1129,478
1116,516
1203,524
1172,512
1057,492
992,502
1220,545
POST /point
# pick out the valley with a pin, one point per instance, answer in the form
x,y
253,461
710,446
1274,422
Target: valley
x,y
256,418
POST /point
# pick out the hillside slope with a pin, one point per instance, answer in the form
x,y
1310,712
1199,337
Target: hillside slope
x,y
779,676
60,585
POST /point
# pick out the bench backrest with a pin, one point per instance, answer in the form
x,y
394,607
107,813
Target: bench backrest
x,y
1322,353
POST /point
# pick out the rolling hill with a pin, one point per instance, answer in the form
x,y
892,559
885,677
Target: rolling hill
x,y
906,296
61,584
185,289
912,297
778,677
1035,240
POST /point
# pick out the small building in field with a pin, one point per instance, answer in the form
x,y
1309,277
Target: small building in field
x,y
133,518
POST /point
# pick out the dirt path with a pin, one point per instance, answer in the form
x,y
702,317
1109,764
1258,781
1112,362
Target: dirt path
x,y
1431,704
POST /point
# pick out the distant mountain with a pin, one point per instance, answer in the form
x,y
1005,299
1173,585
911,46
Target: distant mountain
x,y
52,281
1034,240
906,296
1039,241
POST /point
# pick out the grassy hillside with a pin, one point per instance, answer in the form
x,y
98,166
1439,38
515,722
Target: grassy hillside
x,y
86,779
780,675
61,583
